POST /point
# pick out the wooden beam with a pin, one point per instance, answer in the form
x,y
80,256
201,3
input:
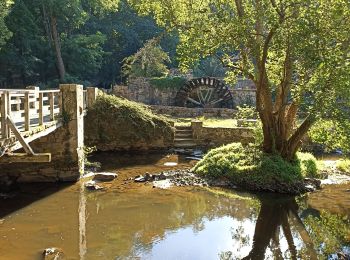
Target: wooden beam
x,y
19,137
4,128
52,105
26,112
41,113
26,158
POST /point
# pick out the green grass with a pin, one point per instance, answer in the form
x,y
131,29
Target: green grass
x,y
209,122
343,165
116,120
249,167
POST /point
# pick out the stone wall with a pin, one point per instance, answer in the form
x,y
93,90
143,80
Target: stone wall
x,y
65,145
217,136
141,90
194,112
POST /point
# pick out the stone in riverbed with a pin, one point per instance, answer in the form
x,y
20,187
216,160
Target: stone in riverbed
x,y
105,176
91,185
53,253
147,177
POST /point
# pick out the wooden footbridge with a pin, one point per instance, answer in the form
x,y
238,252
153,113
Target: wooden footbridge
x,y
26,115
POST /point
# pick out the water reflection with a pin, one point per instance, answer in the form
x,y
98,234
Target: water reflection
x,y
134,221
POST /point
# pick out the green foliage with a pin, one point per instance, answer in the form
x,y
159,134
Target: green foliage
x,y
343,165
149,61
94,37
246,112
248,166
168,82
5,34
209,67
308,164
294,51
119,122
328,232
332,134
86,50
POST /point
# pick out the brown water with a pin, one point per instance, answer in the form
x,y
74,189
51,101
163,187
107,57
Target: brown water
x,y
135,221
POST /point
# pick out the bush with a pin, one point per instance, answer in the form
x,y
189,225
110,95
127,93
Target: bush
x,y
331,135
246,112
343,165
168,82
308,165
249,167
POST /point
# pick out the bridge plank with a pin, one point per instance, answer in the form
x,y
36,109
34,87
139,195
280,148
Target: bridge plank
x,y
26,158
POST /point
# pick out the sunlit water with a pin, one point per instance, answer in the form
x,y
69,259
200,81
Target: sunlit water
x,y
136,221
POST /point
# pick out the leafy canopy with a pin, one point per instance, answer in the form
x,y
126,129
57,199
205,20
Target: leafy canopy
x,y
251,36
149,61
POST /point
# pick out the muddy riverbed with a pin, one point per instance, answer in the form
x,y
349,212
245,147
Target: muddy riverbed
x,y
129,220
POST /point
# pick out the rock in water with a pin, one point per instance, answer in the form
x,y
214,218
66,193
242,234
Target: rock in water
x,y
105,176
91,185
170,164
147,177
53,253
140,178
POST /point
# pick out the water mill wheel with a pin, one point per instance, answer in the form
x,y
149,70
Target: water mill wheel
x,y
204,93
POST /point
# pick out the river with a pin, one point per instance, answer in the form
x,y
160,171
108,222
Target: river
x,y
131,220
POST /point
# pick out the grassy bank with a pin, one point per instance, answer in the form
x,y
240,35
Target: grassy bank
x,y
115,123
250,168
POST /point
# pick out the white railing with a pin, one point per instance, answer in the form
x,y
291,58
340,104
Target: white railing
x,y
28,109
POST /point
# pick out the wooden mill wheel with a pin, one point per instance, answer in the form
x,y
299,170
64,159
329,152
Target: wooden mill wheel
x,y
204,93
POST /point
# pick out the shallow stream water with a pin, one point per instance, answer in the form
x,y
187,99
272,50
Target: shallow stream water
x,y
136,221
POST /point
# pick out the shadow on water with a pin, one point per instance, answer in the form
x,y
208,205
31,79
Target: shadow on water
x,y
26,194
116,160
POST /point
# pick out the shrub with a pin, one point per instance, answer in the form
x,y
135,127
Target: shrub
x,y
343,165
308,165
248,166
331,135
168,82
246,112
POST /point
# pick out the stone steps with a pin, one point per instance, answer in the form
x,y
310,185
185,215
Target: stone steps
x,y
185,145
184,137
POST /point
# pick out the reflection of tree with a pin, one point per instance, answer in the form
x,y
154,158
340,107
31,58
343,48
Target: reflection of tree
x,y
275,216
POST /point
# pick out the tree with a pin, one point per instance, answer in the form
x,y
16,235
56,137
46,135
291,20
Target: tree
x,y
296,52
149,61
4,32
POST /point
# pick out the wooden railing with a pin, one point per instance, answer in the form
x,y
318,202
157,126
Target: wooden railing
x,y
28,109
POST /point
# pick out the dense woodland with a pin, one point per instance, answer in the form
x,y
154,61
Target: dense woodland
x,y
47,42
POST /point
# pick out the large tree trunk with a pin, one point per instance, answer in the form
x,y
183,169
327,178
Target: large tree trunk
x,y
56,42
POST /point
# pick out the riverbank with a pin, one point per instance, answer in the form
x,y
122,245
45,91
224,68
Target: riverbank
x,y
173,170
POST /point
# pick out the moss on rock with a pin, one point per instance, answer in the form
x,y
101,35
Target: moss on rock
x,y
248,167
114,123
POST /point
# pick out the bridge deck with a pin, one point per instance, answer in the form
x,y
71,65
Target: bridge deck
x,y
26,115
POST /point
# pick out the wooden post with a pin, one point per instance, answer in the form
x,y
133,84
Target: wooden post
x,y
92,94
41,112
18,106
52,105
26,112
4,107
